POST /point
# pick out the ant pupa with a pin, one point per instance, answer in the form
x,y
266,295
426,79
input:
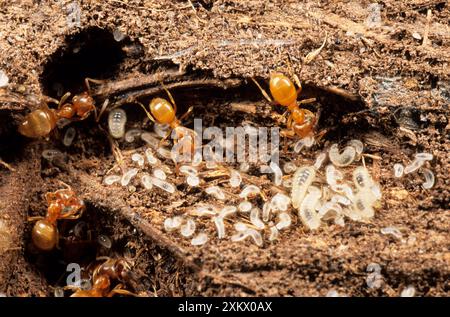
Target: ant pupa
x,y
341,159
216,192
117,119
249,190
429,178
285,221
255,220
188,228
307,211
200,239
301,180
111,179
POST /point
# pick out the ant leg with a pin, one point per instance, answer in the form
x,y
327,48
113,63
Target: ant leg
x,y
63,99
264,93
95,81
186,114
120,291
170,97
305,101
146,112
104,106
35,218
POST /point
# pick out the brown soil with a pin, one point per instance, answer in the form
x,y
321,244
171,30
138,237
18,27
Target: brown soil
x,y
382,85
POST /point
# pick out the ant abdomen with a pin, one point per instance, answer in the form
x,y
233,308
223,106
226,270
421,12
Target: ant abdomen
x,y
162,111
38,123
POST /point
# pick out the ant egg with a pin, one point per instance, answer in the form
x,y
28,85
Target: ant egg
x,y
152,160
254,218
285,221
280,202
289,167
226,211
319,160
200,239
429,178
150,139
159,173
409,291
127,176
249,190
278,174
162,184
398,170
138,158
342,159
424,156
216,192
392,231
301,180
188,228
171,224
307,211
206,210
104,241
235,178
192,181
218,221
274,233
111,179
131,135
116,123
69,136
245,206
414,166
146,181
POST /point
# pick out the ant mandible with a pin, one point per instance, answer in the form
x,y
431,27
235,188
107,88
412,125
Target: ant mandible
x,y
40,122
62,204
104,274
300,121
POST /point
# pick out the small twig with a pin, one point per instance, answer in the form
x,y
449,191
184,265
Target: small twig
x,y
312,55
427,28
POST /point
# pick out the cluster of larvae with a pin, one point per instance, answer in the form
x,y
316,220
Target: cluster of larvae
x,y
417,165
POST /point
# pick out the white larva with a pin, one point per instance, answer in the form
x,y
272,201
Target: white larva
x,y
329,211
362,178
357,145
285,221
162,184
205,210
274,233
131,135
320,160
138,158
245,206
249,190
235,178
116,123
307,211
193,181
301,180
362,204
227,211
200,239
333,175
278,174
128,176
280,202
249,232
111,179
151,159
424,156
218,221
398,170
429,178
289,167
342,159
255,220
216,192
188,228
69,136
305,142
267,209
188,170
159,173
240,226
414,166
171,224
393,231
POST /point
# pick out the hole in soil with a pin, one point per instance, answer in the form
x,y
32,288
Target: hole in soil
x,y
91,53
